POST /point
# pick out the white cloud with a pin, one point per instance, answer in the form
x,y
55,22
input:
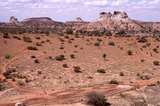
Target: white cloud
x,y
96,2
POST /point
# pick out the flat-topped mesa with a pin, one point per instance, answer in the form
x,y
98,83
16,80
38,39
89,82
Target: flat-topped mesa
x,y
120,15
13,20
44,19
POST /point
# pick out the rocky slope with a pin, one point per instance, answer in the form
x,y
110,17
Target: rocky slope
x,y
119,22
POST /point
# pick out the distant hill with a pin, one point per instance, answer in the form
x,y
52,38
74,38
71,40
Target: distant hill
x,y
111,23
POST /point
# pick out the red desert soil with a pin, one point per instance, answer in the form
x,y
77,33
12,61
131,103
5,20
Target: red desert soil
x,y
49,81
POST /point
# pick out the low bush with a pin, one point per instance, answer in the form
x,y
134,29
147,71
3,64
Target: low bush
x,y
77,69
113,81
60,58
129,52
32,48
111,43
97,99
156,63
101,71
7,56
27,39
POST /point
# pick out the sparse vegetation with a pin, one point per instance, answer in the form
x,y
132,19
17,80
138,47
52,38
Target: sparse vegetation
x,y
77,69
104,56
72,56
142,60
156,63
20,82
97,99
9,73
101,71
155,50
32,48
16,37
6,36
65,65
129,52
97,44
69,30
36,61
2,86
111,43
27,39
121,74
142,39
114,82
38,44
60,58
7,56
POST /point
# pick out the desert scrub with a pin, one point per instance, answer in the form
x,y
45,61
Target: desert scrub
x,y
97,99
111,43
60,58
101,71
72,56
32,48
27,39
129,52
69,30
156,63
7,56
65,66
77,69
113,82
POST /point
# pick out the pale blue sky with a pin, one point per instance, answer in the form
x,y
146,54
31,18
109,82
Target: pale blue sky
x,y
63,10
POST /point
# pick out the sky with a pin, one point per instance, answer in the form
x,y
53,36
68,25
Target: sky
x,y
65,10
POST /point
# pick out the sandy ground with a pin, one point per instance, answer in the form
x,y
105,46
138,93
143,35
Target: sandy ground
x,y
49,75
